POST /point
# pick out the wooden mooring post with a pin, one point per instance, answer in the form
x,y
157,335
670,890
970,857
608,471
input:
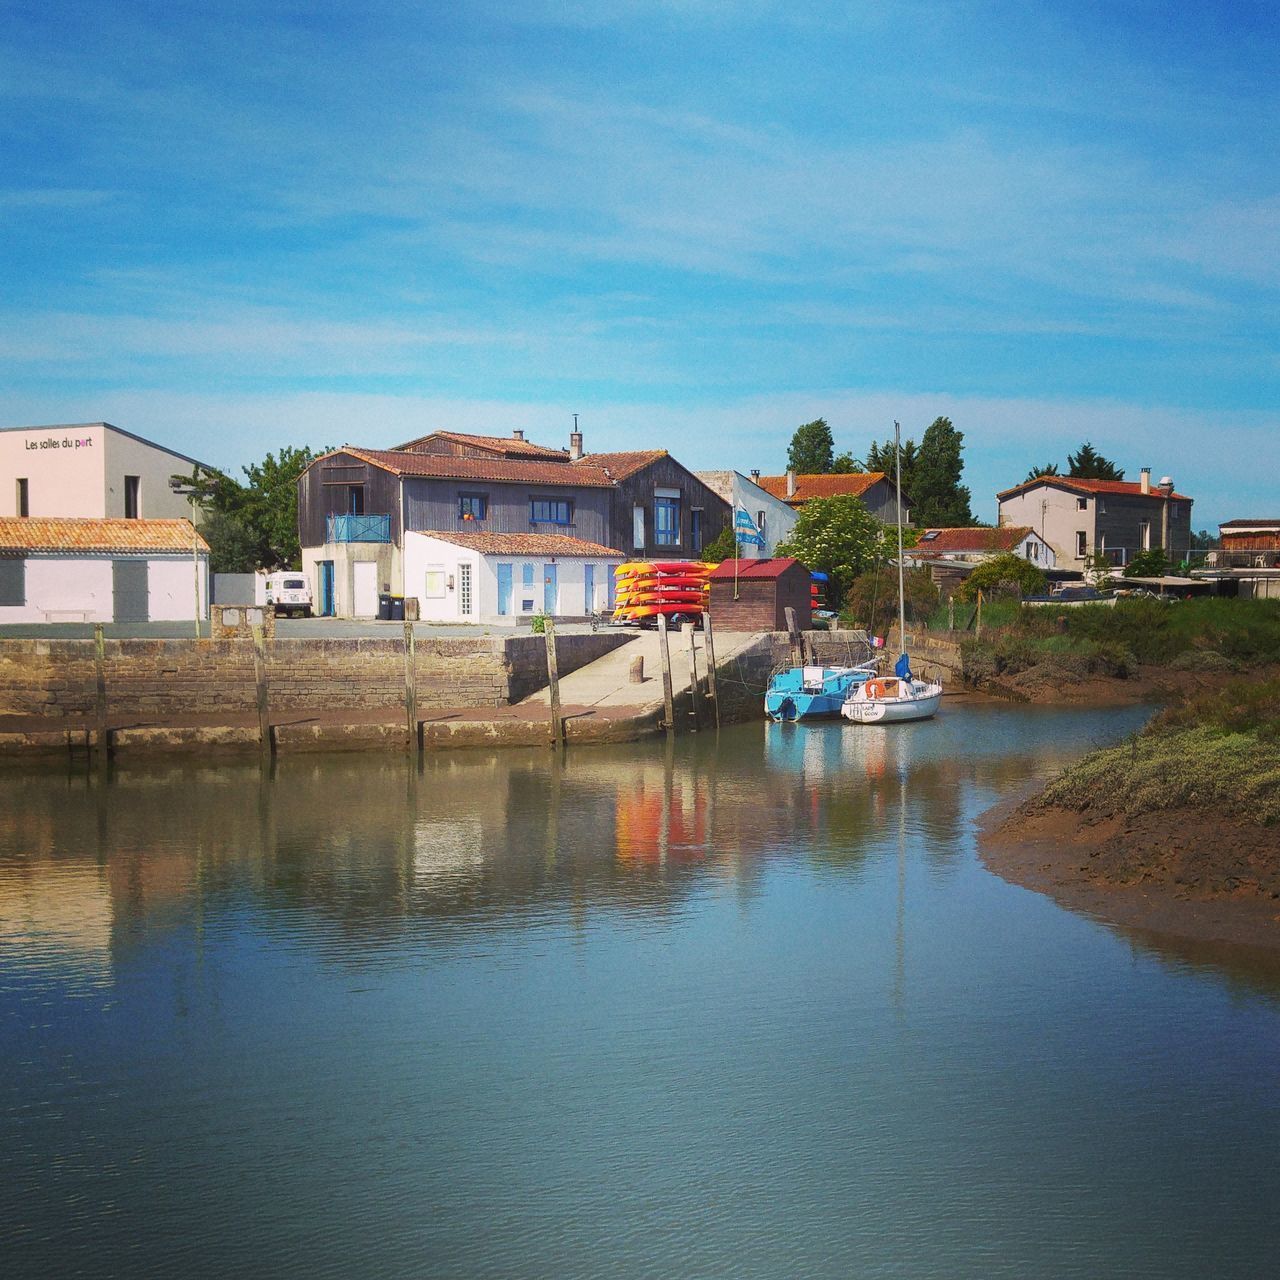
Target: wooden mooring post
x,y
411,689
102,735
553,685
694,705
711,665
664,653
266,739
793,634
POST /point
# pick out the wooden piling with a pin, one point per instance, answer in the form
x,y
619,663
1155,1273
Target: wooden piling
x,y
977,634
664,652
102,733
711,665
410,687
553,684
793,635
694,705
266,740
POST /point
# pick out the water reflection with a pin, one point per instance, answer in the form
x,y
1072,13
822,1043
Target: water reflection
x,y
378,847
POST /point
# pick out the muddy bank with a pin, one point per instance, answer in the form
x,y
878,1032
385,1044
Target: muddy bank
x,y
1181,872
1051,685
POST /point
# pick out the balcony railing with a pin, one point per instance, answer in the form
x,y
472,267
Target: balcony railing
x,y
358,529
1236,558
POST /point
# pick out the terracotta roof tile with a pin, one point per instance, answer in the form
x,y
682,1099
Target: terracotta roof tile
x,y
523,544
446,466
1129,488
35,533
938,541
821,486
503,446
1250,524
621,465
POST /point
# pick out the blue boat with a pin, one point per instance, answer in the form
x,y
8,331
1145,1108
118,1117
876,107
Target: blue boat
x,y
809,693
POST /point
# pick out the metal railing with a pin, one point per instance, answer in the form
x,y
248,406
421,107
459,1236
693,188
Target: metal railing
x,y
358,529
1236,558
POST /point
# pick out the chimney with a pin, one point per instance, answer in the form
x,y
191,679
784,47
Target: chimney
x,y
575,445
517,434
1166,486
755,476
1145,480
791,484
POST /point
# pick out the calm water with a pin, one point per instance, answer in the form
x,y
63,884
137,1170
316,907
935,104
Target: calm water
x,y
746,1008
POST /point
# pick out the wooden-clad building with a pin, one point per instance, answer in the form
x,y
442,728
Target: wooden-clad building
x,y
754,595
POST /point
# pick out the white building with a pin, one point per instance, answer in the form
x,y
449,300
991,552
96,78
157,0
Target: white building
x,y
972,546
499,578
772,516
91,470
102,571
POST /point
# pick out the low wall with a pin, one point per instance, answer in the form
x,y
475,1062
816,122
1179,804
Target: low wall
x,y
156,678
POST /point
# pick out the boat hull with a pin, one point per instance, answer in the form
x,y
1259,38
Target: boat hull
x,y
892,710
812,693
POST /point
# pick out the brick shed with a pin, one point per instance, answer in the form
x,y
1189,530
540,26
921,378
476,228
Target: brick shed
x,y
765,589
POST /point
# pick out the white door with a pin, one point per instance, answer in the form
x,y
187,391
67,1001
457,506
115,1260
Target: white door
x,y
365,582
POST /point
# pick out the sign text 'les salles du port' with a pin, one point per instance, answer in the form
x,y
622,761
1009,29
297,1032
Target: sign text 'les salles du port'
x,y
63,442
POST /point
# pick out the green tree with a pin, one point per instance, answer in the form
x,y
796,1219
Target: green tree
x,y
839,537
723,547
1007,574
1148,564
938,499
1088,464
845,464
880,458
872,598
1049,469
262,513
1097,568
812,450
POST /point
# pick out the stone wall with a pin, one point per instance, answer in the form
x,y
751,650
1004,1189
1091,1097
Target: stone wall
x,y
158,678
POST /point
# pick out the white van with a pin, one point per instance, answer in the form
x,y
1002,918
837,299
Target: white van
x,y
289,593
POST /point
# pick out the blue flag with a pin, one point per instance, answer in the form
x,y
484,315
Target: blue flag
x,y
903,668
744,529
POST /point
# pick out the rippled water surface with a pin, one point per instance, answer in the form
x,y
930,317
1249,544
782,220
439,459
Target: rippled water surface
x,y
747,1007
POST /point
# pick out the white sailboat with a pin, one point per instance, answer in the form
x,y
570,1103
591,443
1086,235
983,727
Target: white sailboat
x,y
889,699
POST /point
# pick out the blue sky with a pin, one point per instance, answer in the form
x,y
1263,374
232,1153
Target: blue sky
x,y
237,226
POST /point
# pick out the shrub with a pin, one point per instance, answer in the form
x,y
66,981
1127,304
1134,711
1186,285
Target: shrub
x,y
872,599
1008,573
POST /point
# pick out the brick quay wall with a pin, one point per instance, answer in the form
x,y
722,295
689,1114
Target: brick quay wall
x,y
57,679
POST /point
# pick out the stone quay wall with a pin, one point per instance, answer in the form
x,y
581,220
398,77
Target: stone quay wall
x,y
57,679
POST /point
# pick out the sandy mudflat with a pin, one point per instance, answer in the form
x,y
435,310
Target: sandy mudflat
x,y
1182,873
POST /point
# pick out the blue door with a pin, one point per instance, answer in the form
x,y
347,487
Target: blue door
x,y
589,587
504,588
549,592
327,609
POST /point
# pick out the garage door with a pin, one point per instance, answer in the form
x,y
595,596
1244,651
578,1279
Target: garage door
x,y
129,591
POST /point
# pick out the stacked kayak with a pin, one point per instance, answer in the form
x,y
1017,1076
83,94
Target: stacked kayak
x,y
647,588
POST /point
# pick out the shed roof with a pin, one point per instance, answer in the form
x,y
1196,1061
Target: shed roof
x,y
1250,526
854,483
447,466
523,544
755,569
36,533
941,541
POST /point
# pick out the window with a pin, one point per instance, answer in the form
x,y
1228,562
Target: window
x,y
13,580
637,528
760,522
695,530
473,506
464,590
526,588
666,521
1082,504
550,511
355,499
1102,506
1082,545
24,496
434,587
132,496
1144,534
1031,551
928,535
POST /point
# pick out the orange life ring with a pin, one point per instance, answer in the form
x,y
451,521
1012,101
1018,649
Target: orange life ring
x,y
887,688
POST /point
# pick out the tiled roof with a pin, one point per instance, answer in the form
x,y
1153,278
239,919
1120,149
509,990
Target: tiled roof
x,y
773,568
939,541
35,533
504,446
1128,488
523,544
622,465
1250,524
446,466
824,486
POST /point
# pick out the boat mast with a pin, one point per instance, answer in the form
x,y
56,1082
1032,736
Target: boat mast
x,y
902,608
